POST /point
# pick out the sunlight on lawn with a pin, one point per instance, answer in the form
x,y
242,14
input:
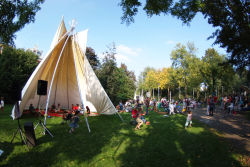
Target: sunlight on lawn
x,y
178,146
195,130
112,143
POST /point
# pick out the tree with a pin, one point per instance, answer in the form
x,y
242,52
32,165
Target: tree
x,y
231,18
165,79
92,57
16,66
151,81
211,71
14,15
118,85
141,79
108,66
186,66
130,74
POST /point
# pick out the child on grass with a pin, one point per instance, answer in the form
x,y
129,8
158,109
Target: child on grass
x,y
189,119
138,119
74,123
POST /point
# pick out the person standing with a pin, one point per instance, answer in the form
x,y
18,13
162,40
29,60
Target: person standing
x,y
189,119
2,103
147,105
211,106
171,108
74,123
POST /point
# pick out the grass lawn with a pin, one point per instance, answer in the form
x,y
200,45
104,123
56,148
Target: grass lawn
x,y
112,143
247,115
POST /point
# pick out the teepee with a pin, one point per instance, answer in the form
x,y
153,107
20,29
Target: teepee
x,y
71,79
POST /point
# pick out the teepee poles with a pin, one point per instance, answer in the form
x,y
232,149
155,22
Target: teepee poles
x,y
52,80
81,92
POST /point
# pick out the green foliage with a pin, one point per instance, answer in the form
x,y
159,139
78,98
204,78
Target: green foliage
x,y
188,73
214,73
120,86
117,82
92,57
186,66
130,74
142,77
231,18
16,66
232,21
14,15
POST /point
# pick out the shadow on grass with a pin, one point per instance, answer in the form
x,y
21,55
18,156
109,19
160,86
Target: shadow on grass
x,y
112,143
234,127
76,149
166,143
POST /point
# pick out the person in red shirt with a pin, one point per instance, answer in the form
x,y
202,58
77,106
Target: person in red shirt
x,y
134,113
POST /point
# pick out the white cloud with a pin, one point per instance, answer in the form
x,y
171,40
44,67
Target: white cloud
x,y
170,42
100,55
124,54
125,50
122,58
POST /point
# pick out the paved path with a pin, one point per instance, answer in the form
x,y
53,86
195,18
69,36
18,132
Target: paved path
x,y
234,128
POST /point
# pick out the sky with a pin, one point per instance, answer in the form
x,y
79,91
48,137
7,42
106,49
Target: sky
x,y
146,42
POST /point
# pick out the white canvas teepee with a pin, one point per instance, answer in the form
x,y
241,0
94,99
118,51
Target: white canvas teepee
x,y
71,80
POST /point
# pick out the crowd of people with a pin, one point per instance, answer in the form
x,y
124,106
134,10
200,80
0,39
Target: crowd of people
x,y
229,104
139,109
71,116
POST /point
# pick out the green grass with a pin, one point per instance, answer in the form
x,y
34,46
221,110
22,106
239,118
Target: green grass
x,y
247,115
112,143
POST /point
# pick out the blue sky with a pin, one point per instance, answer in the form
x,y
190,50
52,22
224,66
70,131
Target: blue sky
x,y
147,42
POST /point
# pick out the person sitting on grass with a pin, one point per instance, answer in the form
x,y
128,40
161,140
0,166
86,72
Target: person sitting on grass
x,y
66,117
74,123
32,109
88,110
138,119
121,106
53,108
189,119
58,108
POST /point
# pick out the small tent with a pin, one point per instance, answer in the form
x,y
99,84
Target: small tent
x,y
70,77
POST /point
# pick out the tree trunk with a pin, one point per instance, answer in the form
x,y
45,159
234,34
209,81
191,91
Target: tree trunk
x,y
213,84
168,92
179,92
185,90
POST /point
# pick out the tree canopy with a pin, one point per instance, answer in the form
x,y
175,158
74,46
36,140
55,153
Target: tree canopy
x,y
16,66
118,82
14,15
230,18
93,58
